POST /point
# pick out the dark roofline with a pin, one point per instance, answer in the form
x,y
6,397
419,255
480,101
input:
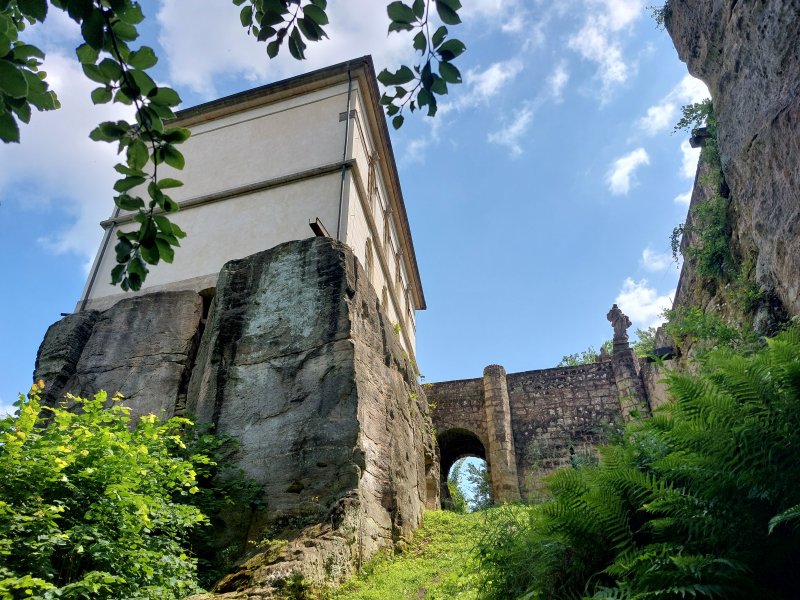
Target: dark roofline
x,y
291,86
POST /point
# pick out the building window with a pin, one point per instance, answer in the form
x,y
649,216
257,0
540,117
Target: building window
x,y
387,236
368,260
385,300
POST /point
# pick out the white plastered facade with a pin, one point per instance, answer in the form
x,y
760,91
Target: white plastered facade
x,y
261,166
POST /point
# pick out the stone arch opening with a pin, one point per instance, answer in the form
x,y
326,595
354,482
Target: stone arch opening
x,y
454,444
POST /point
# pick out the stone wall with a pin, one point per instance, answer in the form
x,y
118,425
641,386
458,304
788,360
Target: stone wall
x,y
549,415
297,362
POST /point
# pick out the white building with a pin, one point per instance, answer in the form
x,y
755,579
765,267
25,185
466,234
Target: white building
x,y
278,163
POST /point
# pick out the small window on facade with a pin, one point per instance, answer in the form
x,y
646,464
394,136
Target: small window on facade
x,y
385,300
387,236
368,260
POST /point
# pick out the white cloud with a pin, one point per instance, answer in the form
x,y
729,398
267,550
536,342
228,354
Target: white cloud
x,y
208,43
512,131
599,39
482,85
494,13
664,115
622,171
642,303
684,198
655,261
557,81
59,167
690,158
658,118
6,408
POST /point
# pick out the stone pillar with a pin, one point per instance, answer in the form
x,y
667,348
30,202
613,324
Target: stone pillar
x,y
632,393
500,455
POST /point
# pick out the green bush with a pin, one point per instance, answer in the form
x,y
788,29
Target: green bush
x,y
699,501
91,507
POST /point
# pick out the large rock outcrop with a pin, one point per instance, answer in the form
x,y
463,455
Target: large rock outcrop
x,y
297,362
748,53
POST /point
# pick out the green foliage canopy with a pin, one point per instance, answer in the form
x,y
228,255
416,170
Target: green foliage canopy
x,y
91,507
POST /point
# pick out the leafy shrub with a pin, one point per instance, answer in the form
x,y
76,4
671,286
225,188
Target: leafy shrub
x,y
91,507
700,501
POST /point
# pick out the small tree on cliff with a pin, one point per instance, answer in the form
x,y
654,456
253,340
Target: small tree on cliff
x,y
109,28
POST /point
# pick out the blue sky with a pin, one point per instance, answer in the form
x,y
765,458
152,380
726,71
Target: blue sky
x,y
545,190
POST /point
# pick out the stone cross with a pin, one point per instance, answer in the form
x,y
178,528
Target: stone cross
x,y
620,322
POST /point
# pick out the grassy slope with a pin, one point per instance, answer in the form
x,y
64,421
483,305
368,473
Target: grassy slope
x,y
437,565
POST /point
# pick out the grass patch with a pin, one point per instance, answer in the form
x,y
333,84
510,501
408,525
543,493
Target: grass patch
x,y
438,564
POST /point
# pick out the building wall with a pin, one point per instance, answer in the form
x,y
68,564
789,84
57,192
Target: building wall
x,y
257,177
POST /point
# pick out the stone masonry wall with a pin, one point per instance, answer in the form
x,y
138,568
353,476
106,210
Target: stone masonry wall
x,y
557,412
552,414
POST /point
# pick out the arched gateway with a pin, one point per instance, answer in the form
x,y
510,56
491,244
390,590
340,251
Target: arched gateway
x,y
525,424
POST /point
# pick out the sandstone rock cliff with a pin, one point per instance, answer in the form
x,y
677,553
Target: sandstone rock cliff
x,y
297,362
748,53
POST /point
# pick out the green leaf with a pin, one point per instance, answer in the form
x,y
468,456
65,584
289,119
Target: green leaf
x,y
143,58
165,251
110,69
93,72
79,9
36,9
438,36
403,75
316,14
123,249
123,185
449,73
129,203
131,13
246,16
143,81
419,8
397,122
178,232
9,130
150,253
124,31
163,224
451,49
296,45
166,97
310,30
12,81
137,154
176,135
420,42
86,54
400,13
168,182
173,158
92,30
272,48
438,85
447,11
23,52
101,95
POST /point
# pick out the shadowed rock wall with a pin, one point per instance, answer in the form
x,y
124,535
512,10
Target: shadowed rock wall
x,y
296,361
748,53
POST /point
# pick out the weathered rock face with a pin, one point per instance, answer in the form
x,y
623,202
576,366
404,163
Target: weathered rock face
x,y
296,361
141,347
748,53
